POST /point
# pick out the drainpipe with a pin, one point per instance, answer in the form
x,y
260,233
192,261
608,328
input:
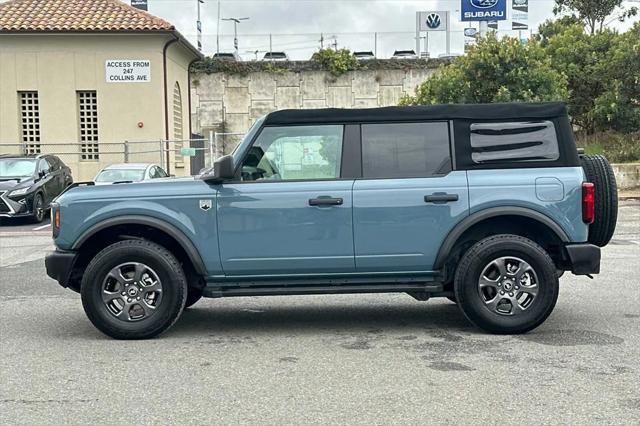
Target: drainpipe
x,y
166,99
189,92
189,99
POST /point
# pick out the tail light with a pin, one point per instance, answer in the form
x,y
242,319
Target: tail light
x,y
588,202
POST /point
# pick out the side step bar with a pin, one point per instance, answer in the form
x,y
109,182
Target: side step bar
x,y
419,289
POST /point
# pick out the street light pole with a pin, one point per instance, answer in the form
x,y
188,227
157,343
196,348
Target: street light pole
x,y
199,26
236,21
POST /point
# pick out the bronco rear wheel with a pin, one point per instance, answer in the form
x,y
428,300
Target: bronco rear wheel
x,y
599,172
133,289
506,284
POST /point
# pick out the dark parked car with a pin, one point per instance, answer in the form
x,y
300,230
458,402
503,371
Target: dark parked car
x,y
28,184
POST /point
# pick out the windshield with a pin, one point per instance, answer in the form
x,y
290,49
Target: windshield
x,y
17,167
120,175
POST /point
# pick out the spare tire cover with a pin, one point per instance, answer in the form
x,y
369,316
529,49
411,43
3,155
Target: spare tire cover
x,y
599,172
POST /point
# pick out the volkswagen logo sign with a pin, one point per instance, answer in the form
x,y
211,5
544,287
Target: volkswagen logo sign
x,y
483,4
433,21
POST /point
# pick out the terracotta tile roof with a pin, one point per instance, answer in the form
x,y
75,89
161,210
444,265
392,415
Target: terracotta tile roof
x,y
76,15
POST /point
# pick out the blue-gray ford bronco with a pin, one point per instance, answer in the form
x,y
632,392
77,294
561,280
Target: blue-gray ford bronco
x,y
487,205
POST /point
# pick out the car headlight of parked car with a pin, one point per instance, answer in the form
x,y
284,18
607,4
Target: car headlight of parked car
x,y
18,192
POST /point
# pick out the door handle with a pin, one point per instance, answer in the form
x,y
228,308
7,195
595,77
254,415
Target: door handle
x,y
440,198
325,201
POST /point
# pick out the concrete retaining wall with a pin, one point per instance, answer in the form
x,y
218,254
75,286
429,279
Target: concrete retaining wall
x,y
627,175
224,102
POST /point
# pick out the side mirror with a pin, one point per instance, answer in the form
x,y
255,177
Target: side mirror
x,y
223,169
42,173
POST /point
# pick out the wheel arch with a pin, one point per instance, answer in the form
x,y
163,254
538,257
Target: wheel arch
x,y
151,228
485,218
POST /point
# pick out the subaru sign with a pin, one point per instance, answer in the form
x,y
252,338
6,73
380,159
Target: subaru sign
x,y
484,10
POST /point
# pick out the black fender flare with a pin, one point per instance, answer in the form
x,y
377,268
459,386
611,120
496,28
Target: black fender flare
x,y
477,217
172,231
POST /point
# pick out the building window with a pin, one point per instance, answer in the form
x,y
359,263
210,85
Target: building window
x,y
177,113
30,110
88,125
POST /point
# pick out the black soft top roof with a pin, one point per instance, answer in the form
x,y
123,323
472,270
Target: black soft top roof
x,y
505,111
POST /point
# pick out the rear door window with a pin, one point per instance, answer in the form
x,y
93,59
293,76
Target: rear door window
x,y
397,150
516,141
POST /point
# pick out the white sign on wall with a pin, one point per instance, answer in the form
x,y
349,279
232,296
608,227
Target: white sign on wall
x,y
128,71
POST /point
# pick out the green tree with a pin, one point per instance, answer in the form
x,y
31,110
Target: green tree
x,y
584,60
494,71
594,13
618,107
552,27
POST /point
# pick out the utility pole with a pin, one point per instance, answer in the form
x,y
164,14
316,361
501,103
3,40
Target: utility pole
x,y
375,45
335,43
236,21
321,41
218,30
199,26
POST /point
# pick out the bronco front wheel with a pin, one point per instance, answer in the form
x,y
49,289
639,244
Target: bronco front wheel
x,y
506,284
133,289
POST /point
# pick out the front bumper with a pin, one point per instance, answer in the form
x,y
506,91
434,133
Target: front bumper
x,y
59,265
10,207
584,259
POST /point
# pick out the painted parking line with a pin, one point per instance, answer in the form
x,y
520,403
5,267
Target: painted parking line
x,y
42,227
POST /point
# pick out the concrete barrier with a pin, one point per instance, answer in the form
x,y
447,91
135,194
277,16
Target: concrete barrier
x,y
627,175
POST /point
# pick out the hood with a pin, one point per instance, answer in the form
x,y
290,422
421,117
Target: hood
x,y
154,188
9,183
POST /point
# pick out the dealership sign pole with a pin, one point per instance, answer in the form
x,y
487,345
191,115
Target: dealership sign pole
x,y
519,16
433,21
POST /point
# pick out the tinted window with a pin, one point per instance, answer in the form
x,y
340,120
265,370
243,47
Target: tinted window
x,y
160,172
405,150
294,152
52,163
518,141
43,166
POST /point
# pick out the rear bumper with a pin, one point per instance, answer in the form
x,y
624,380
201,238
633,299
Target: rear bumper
x,y
584,259
59,264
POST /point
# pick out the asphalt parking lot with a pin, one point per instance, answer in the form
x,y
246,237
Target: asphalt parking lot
x,y
362,359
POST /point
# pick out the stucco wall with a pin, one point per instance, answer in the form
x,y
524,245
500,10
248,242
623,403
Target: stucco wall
x,y
224,102
58,65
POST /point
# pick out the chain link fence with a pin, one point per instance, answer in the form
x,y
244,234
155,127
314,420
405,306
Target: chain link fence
x,y
179,157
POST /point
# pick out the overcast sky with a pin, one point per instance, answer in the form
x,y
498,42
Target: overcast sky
x,y
296,25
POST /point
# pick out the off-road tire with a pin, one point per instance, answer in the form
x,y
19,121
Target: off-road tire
x,y
471,266
599,172
169,271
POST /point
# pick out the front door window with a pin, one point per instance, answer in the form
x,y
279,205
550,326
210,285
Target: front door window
x,y
294,153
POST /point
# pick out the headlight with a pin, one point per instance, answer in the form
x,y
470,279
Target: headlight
x,y
19,192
